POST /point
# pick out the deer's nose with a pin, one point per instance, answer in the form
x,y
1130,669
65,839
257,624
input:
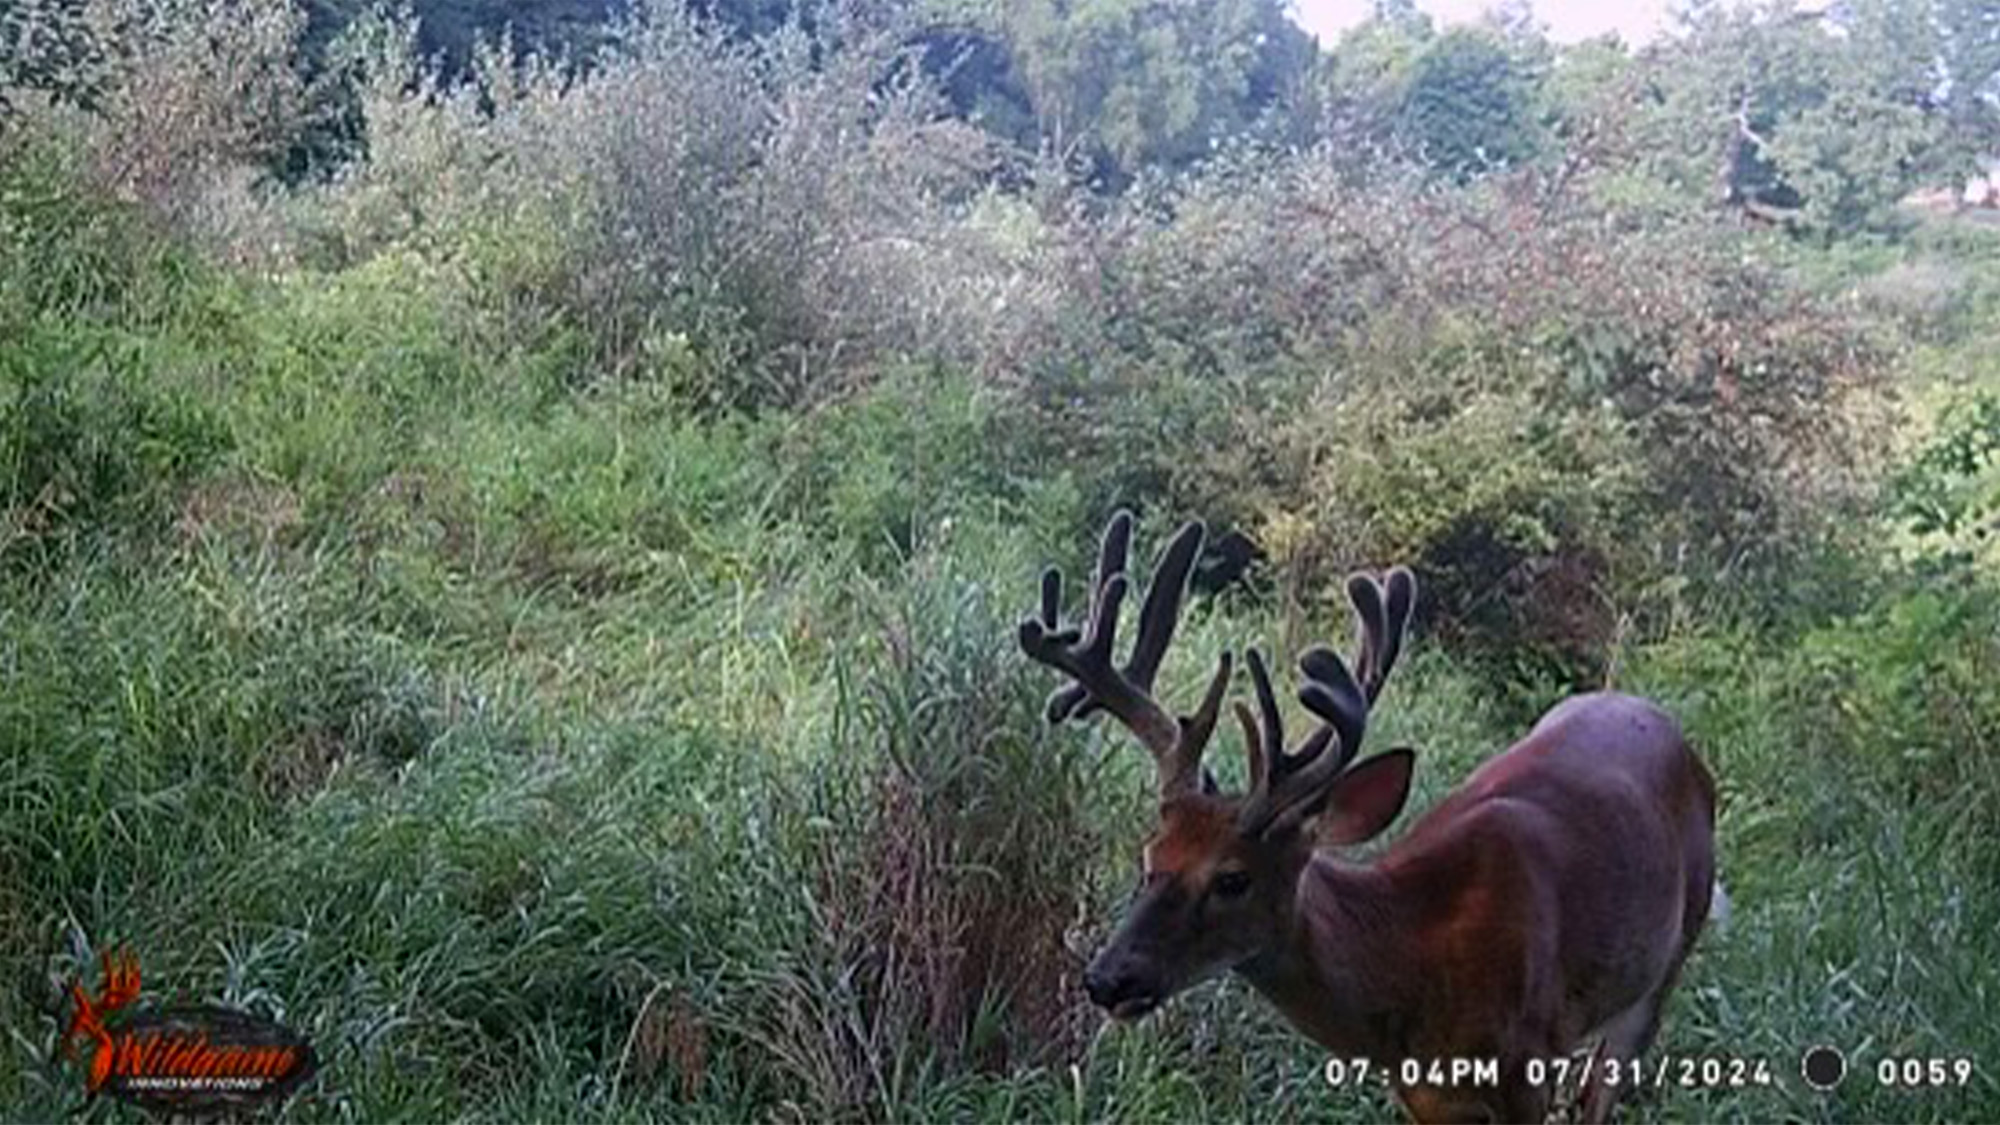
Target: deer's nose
x,y
1119,989
1103,987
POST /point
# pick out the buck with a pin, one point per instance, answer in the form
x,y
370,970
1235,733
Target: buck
x,y
1547,903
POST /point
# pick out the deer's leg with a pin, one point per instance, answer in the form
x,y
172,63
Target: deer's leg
x,y
1626,1037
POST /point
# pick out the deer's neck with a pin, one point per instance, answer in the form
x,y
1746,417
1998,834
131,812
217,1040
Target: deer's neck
x,y
1348,968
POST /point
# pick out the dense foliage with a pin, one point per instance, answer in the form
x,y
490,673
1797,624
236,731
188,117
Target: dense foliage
x,y
509,548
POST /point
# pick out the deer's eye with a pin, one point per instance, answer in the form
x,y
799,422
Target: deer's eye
x,y
1232,884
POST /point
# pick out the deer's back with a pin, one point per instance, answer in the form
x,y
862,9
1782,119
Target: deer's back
x,y
1599,828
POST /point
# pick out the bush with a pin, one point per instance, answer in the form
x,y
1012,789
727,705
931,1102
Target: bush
x,y
179,92
733,217
1562,416
1911,681
1545,397
1948,492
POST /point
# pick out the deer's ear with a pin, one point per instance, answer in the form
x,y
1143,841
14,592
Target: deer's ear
x,y
1366,799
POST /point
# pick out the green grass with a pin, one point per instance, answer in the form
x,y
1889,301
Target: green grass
x,y
543,753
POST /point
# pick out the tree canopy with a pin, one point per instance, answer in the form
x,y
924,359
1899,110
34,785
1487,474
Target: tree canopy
x,y
1821,120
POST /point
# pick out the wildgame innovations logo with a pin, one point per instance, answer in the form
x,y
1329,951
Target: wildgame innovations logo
x,y
184,1058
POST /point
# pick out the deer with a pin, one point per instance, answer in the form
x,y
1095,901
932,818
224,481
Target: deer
x,y
1546,904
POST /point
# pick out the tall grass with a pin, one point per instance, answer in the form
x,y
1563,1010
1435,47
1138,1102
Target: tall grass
x,y
577,759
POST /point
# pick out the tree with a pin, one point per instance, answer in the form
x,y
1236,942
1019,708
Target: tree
x,y
1823,120
1137,83
1464,101
1369,70
1585,81
1969,48
1469,106
449,30
47,46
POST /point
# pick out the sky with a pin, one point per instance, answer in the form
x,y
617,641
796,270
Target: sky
x,y
1636,21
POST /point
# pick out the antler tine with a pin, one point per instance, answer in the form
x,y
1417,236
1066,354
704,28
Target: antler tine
x,y
1291,781
1402,603
1275,774
1371,621
1073,701
1253,744
1086,654
1158,618
1272,742
1162,611
1277,765
1330,691
1195,731
1381,619
1283,784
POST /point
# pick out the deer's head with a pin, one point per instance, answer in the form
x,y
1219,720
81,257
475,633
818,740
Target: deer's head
x,y
1221,870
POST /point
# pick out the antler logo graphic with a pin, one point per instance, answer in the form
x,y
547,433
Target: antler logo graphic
x,y
120,989
180,1059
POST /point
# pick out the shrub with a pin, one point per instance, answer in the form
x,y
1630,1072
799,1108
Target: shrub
x,y
1948,493
735,217
1543,404
1888,706
1926,296
181,91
